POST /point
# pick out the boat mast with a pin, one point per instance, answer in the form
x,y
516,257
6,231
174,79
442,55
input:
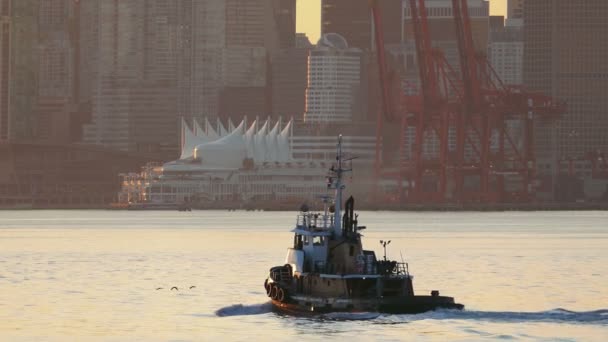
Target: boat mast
x,y
339,187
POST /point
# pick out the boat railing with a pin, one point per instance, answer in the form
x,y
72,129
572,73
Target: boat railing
x,y
403,268
315,222
394,268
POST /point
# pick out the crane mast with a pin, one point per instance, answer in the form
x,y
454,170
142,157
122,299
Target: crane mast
x,y
474,104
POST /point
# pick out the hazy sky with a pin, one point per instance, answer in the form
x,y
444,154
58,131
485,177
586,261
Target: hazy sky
x,y
309,16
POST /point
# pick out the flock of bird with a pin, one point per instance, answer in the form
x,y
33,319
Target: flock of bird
x,y
175,288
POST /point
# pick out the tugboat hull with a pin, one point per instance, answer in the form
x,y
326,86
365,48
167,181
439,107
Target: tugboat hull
x,y
391,305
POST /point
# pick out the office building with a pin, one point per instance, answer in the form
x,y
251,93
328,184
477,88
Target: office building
x,y
515,9
352,19
18,82
441,22
565,57
289,81
506,54
334,86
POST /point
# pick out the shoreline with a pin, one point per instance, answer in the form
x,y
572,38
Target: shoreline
x,y
473,207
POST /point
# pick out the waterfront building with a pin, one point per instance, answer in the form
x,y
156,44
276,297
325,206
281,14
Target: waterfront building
x,y
254,162
44,175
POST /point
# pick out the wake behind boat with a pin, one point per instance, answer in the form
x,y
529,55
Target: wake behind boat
x,y
327,269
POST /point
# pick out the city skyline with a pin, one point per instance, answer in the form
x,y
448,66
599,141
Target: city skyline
x,y
309,16
103,80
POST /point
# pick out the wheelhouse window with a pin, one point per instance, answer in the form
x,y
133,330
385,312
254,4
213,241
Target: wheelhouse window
x,y
318,240
298,242
307,240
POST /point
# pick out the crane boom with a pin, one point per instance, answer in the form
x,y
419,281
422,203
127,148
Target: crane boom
x,y
428,76
381,56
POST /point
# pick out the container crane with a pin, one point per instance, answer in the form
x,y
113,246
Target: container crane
x,y
486,106
473,103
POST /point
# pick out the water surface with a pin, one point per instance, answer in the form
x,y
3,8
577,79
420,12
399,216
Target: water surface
x,y
107,275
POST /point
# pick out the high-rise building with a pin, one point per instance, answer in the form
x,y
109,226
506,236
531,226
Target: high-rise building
x,y
285,14
506,54
352,19
289,80
334,81
245,24
38,58
57,71
515,12
441,22
207,55
260,23
5,68
565,58
255,30
497,23
515,9
128,74
18,80
302,41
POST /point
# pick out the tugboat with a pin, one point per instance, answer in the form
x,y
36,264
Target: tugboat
x,y
327,269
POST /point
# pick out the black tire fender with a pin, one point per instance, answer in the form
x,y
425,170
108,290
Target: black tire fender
x,y
273,291
280,295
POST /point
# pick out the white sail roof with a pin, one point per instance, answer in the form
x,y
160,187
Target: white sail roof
x,y
226,152
271,143
249,139
221,129
261,145
211,133
189,141
198,131
284,149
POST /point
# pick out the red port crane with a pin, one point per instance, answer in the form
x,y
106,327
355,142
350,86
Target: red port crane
x,y
474,105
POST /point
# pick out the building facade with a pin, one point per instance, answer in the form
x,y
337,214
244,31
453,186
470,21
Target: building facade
x,y
289,81
285,14
352,20
506,54
515,9
564,58
441,22
5,69
258,163
18,82
199,52
334,86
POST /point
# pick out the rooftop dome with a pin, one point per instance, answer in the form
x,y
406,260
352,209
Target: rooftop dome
x,y
333,40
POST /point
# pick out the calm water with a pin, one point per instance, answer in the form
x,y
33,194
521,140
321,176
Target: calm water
x,y
94,275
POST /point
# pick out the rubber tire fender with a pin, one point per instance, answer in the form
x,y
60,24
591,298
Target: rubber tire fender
x,y
280,295
273,291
